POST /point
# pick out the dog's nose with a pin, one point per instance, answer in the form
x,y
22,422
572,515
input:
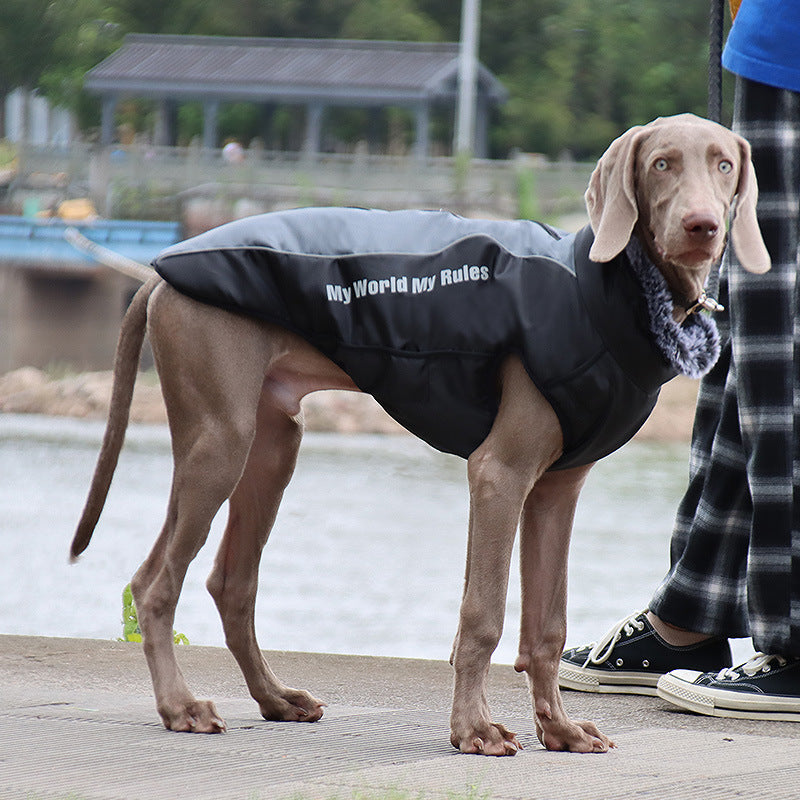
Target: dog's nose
x,y
700,226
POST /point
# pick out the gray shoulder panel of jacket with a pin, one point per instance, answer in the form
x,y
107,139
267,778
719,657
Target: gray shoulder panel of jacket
x,y
355,231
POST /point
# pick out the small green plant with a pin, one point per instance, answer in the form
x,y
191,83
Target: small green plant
x,y
140,201
462,164
8,155
130,621
306,189
527,199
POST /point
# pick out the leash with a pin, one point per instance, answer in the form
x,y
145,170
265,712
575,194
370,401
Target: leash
x,y
715,33
127,266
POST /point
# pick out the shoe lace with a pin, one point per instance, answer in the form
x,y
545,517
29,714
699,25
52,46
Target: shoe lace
x,y
760,662
602,649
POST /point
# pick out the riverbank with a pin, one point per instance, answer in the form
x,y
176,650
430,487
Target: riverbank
x,y
87,396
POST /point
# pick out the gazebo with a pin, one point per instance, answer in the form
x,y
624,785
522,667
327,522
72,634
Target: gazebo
x,y
315,73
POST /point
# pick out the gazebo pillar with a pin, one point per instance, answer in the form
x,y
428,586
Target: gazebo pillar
x,y
313,140
481,134
166,123
422,138
107,126
266,125
210,113
374,128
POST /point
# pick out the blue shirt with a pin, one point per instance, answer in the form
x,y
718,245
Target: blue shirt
x,y
764,43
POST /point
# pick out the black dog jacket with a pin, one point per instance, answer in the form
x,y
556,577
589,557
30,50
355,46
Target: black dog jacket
x,y
419,308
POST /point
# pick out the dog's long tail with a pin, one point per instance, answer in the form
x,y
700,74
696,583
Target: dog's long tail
x,y
126,365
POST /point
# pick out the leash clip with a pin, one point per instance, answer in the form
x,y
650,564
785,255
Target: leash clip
x,y
704,302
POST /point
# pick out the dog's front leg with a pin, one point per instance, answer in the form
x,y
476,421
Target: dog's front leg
x,y
494,514
547,519
523,442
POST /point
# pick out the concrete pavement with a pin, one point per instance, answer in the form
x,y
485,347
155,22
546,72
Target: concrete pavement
x,y
77,722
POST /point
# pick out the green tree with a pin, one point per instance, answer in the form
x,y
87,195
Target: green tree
x,y
298,18
27,36
157,16
398,20
578,72
85,37
527,44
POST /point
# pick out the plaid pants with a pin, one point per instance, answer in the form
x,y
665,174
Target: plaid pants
x,y
735,553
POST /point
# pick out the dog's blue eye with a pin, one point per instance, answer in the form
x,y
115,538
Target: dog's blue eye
x,y
661,164
725,167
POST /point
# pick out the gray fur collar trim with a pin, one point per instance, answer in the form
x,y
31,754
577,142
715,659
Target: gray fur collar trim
x,y
693,347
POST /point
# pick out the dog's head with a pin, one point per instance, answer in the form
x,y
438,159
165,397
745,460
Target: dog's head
x,y
672,183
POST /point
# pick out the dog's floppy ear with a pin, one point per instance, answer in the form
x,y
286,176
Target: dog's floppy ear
x,y
745,233
611,196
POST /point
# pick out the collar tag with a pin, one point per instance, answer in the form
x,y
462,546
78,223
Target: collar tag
x,y
704,302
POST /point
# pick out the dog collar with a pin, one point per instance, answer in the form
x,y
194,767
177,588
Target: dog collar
x,y
691,346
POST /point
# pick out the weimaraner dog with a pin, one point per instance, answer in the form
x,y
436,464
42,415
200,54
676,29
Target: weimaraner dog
x,y
233,382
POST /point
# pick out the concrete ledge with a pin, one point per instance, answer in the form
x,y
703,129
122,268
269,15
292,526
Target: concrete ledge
x,y
78,721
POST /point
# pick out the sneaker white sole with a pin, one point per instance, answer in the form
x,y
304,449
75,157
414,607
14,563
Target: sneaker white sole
x,y
585,679
721,703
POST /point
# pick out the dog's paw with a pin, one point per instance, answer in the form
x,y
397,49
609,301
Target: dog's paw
x,y
292,705
580,736
491,739
198,716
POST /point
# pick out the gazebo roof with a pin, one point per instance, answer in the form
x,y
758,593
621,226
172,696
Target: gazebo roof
x,y
287,70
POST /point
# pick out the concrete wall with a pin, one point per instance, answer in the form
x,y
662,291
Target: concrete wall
x,y
50,317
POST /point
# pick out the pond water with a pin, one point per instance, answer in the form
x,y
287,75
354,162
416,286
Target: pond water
x,y
366,557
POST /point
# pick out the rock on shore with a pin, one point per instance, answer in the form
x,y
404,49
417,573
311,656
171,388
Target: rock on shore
x,y
87,395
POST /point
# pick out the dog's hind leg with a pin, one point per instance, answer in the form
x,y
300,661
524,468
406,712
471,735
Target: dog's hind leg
x,y
211,367
233,582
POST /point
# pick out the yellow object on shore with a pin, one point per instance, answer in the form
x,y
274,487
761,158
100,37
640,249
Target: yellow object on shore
x,y
80,208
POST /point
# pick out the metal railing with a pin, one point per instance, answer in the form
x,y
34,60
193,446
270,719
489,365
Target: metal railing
x,y
279,178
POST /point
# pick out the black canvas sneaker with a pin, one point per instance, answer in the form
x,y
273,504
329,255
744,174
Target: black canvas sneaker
x,y
631,658
764,687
